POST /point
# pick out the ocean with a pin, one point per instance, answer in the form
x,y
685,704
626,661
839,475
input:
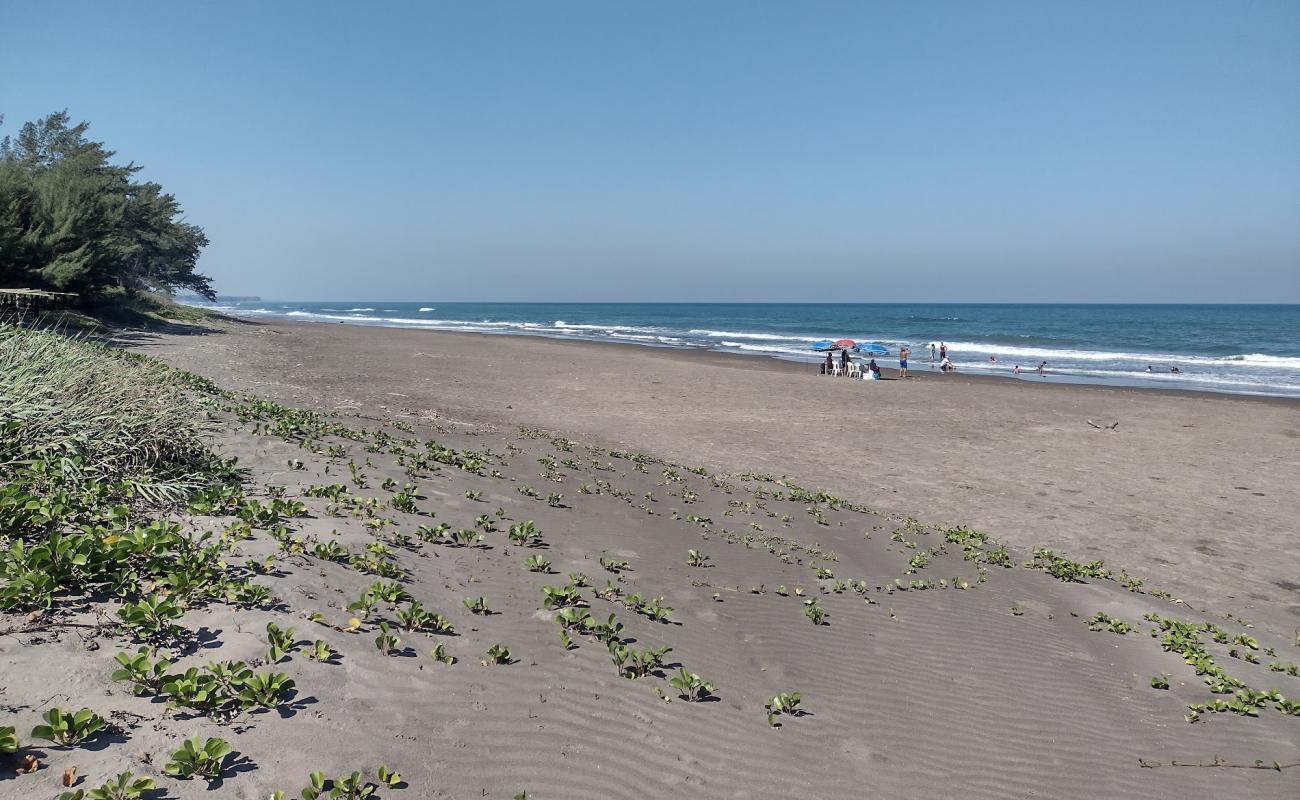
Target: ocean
x,y
1246,349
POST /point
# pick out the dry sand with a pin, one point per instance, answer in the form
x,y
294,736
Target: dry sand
x,y
997,690
1193,492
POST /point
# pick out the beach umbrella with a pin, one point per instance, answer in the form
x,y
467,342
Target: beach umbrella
x,y
845,344
822,346
872,349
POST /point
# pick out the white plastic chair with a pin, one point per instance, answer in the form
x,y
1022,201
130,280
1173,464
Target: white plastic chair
x,y
835,369
855,370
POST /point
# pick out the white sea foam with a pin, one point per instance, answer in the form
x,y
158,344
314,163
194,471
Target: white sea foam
x,y
770,349
776,337
956,349
426,308
565,326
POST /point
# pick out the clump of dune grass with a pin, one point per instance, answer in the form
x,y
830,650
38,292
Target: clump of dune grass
x,y
88,412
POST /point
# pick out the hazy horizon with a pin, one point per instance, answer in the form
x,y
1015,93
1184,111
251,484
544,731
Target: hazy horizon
x,y
755,152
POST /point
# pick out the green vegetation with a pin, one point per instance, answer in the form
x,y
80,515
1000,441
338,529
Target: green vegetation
x,y
538,564
691,686
814,611
1064,569
123,787
197,758
1101,621
499,654
786,703
71,220
68,728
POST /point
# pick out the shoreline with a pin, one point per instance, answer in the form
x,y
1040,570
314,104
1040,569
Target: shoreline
x,y
1028,376
791,366
1189,491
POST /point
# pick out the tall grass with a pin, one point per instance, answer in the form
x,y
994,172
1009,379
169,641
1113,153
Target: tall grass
x,y
100,414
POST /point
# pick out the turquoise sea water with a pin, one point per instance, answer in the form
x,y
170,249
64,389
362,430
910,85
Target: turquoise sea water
x,y
1224,348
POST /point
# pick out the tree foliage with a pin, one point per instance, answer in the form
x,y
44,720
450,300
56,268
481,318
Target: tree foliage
x,y
73,221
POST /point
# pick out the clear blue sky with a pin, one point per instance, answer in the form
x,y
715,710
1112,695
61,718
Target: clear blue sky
x,y
1086,151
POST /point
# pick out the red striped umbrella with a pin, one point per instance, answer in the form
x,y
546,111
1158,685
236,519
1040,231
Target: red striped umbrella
x,y
846,344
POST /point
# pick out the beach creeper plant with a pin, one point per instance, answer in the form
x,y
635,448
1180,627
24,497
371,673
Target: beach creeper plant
x,y
280,642
643,662
538,564
145,674
466,537
561,596
124,787
265,690
614,565
695,558
68,728
386,642
414,617
655,609
524,534
198,758
498,654
8,741
321,652
151,618
690,685
1101,621
786,703
477,605
813,610
437,533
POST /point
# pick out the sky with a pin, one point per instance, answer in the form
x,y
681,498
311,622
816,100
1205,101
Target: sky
x,y
688,151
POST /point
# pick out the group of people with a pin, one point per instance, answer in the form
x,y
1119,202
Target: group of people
x,y
870,370
939,353
945,363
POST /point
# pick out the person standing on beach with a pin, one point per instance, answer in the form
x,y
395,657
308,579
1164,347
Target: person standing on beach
x,y
943,351
1042,366
828,363
931,352
844,361
902,361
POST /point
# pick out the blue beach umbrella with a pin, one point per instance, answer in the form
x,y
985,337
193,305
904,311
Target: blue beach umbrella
x,y
822,346
872,349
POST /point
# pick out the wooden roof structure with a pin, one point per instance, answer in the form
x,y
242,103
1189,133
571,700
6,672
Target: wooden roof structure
x,y
32,299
